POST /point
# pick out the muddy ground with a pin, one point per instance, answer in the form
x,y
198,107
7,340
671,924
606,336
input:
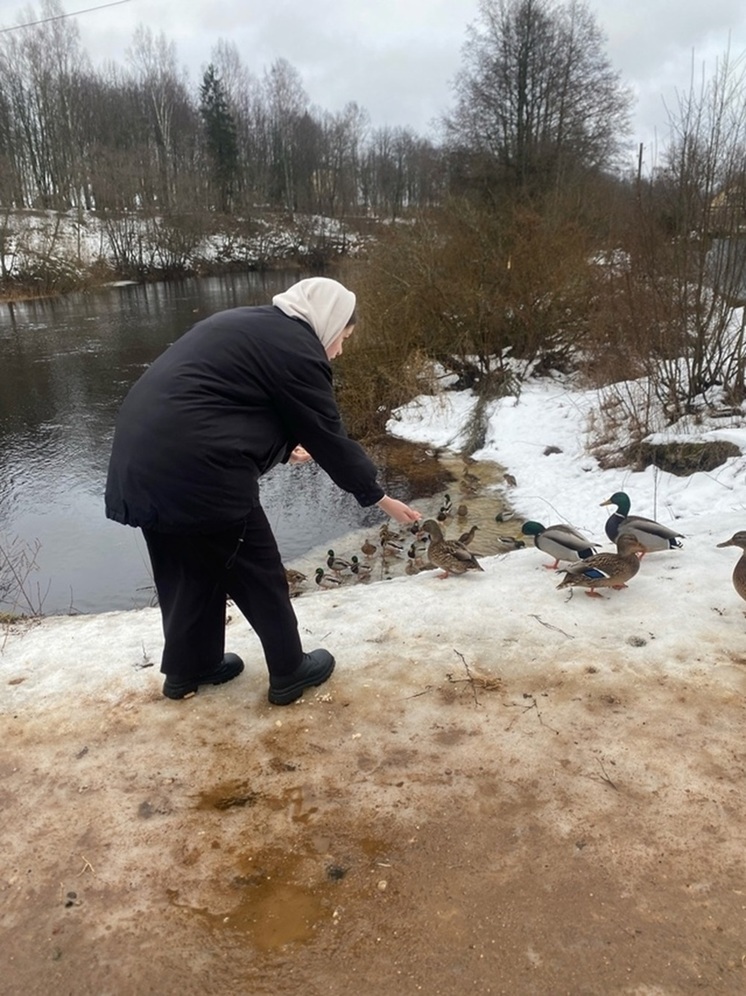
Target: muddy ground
x,y
401,830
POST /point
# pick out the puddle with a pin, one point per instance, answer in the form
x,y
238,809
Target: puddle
x,y
273,897
297,801
230,795
271,904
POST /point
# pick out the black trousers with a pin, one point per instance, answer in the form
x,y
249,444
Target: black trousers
x,y
194,575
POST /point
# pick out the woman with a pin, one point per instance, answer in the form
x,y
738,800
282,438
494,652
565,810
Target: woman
x,y
240,392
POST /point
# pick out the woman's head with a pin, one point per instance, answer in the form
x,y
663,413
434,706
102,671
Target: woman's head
x,y
326,305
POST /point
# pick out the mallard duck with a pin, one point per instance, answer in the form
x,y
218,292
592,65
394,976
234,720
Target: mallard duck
x,y
414,559
652,535
368,548
324,580
462,511
512,542
357,568
467,537
739,571
335,563
389,537
450,556
560,541
605,570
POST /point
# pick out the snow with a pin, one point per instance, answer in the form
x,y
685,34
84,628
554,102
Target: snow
x,y
84,239
518,779
678,610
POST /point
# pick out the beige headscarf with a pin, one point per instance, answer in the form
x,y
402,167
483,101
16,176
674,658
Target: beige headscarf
x,y
325,304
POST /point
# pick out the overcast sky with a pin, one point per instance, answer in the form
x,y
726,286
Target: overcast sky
x,y
397,58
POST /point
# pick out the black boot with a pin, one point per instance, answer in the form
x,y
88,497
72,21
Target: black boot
x,y
178,688
313,670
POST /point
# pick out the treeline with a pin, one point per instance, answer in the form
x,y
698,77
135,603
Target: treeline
x,y
143,137
529,242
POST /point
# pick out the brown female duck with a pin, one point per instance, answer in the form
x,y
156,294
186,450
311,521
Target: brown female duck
x,y
739,571
451,556
605,570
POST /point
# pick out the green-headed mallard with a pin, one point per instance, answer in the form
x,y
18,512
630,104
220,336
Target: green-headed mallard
x,y
324,580
559,541
739,571
390,538
335,563
361,570
450,556
652,535
446,509
605,570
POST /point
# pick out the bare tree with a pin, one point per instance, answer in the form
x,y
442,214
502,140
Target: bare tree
x,y
42,68
287,102
172,116
536,96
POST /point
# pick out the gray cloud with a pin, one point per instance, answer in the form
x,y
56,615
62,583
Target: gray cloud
x,y
398,60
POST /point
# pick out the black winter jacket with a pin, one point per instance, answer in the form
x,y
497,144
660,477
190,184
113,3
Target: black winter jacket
x,y
219,408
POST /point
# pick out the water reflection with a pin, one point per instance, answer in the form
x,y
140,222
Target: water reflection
x,y
67,364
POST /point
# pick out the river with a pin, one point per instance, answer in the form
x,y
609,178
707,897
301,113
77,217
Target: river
x,y
67,363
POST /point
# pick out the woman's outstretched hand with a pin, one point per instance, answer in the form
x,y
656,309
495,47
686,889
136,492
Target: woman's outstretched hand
x,y
398,510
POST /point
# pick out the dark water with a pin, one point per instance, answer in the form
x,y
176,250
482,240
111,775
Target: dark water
x,y
66,365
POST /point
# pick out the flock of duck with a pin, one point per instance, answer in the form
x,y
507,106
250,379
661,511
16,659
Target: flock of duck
x,y
574,555
633,535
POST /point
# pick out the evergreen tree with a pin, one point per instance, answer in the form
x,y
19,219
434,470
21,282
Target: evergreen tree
x,y
220,136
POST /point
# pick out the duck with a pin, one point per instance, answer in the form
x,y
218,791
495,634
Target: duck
x,y
414,561
324,580
462,511
511,542
294,578
468,536
446,509
739,571
368,548
652,535
450,556
361,570
335,563
560,541
605,570
389,537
